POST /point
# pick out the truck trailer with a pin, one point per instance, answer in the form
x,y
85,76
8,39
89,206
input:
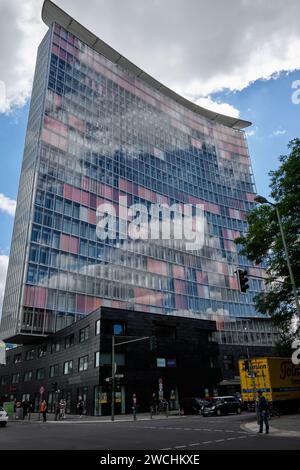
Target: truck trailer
x,y
277,377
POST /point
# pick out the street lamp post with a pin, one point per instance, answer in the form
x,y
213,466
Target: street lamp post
x,y
263,200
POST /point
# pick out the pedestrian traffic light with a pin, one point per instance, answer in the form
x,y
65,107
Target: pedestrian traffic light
x,y
54,386
153,343
243,280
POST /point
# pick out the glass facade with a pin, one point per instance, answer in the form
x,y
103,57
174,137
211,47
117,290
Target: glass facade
x,y
104,134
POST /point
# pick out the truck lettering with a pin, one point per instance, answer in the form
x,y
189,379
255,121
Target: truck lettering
x,y
287,369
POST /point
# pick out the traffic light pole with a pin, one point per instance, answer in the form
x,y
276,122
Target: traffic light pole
x,y
113,372
113,367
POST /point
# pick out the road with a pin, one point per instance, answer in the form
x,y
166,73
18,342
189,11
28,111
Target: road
x,y
191,433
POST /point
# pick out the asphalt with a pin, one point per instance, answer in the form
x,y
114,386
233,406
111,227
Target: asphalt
x,y
176,433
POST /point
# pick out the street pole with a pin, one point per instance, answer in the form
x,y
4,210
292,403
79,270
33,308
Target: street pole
x,y
113,378
263,200
288,262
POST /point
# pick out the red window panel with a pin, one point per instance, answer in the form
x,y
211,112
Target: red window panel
x,y
178,271
180,286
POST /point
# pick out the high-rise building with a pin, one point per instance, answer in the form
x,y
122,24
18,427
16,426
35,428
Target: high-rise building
x,y
102,131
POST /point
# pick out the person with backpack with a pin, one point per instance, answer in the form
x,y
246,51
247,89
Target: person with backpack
x,y
263,409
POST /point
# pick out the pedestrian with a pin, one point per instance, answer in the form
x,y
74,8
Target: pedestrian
x,y
263,409
80,406
153,404
43,410
62,408
134,406
24,405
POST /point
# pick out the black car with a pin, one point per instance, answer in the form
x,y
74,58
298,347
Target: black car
x,y
193,405
222,406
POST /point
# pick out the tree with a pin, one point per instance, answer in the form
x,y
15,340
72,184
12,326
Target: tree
x,y
263,242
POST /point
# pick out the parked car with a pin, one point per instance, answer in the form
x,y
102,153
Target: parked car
x,y
3,417
222,405
193,405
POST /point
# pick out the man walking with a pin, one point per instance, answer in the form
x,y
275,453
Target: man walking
x,y
263,413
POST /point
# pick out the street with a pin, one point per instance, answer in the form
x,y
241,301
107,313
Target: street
x,y
190,433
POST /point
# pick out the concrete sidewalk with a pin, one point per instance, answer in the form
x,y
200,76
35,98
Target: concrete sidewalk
x,y
35,418
285,426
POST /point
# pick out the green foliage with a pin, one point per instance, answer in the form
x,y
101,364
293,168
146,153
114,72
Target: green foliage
x,y
263,242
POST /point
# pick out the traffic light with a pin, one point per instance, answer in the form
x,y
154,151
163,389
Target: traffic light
x,y
54,386
243,280
153,343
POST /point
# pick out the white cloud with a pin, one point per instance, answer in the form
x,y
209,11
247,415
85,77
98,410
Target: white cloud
x,y
7,205
218,107
252,132
197,49
279,132
3,271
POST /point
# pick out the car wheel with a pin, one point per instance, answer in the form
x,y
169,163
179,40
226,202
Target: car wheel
x,y
3,424
238,411
218,413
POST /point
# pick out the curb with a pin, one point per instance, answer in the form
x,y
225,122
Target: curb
x,y
252,428
85,421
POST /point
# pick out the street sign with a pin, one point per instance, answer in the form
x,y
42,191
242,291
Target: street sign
x,y
117,376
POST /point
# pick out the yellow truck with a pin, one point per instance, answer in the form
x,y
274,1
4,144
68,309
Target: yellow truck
x,y
277,377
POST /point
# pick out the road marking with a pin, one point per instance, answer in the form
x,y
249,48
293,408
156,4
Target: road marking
x,y
196,444
207,442
220,440
180,447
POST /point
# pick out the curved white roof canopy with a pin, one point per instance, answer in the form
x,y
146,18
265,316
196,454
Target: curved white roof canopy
x,y
52,13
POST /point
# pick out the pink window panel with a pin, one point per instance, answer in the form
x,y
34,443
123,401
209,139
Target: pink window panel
x,y
257,272
73,245
158,267
141,295
80,303
123,184
180,302
178,271
107,192
118,304
230,246
55,50
45,136
56,126
67,191
84,198
142,192
156,298
68,243
85,183
213,208
197,144
202,277
180,286
222,268
77,123
35,296
233,283
203,291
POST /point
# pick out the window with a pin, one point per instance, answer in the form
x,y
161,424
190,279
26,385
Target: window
x,y
118,329
166,362
68,367
28,376
15,378
42,351
69,341
106,359
4,380
83,363
29,355
55,347
54,371
84,334
97,328
40,374
17,358
228,362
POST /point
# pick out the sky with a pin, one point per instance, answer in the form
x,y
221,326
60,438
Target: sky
x,y
239,57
